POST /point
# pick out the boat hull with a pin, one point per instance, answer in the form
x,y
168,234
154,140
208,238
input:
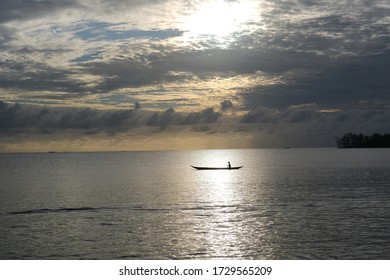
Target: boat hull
x,y
216,168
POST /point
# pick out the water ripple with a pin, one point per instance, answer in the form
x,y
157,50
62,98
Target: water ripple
x,y
55,210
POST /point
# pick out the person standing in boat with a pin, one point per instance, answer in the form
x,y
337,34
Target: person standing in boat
x,y
229,165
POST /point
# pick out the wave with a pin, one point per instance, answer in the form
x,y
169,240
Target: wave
x,y
83,209
167,208
56,210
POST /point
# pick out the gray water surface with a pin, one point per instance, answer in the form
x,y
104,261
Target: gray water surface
x,y
284,204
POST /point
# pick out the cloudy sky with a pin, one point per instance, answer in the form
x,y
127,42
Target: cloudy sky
x,y
169,74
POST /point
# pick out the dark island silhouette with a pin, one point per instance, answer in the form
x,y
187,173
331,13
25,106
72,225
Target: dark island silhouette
x,y
351,140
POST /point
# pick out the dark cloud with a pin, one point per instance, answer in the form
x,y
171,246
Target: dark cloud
x,y
260,115
226,105
6,35
170,117
18,118
292,127
162,119
124,73
310,127
137,106
339,83
238,61
206,116
330,27
26,9
41,77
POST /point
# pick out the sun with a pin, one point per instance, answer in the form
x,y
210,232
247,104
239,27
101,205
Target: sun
x,y
219,18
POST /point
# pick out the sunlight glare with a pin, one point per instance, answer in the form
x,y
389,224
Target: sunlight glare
x,y
219,18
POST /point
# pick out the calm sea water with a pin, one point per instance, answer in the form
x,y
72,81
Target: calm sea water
x,y
284,204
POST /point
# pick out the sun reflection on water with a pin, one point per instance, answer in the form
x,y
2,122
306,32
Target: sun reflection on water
x,y
221,220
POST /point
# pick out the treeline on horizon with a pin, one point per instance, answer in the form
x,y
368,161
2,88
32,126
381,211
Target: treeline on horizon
x,y
351,140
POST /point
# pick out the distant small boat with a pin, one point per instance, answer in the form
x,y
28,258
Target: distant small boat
x,y
52,152
216,168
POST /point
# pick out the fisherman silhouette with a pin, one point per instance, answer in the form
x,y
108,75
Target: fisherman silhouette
x,y
229,165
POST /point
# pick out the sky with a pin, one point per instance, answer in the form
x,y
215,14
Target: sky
x,y
83,75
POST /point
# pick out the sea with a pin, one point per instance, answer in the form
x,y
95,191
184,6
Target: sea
x,y
284,204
